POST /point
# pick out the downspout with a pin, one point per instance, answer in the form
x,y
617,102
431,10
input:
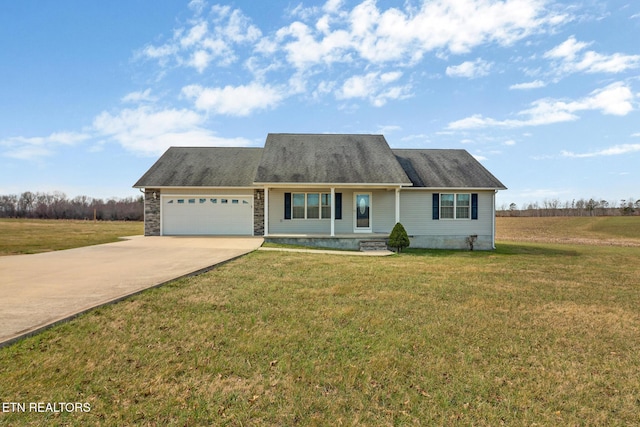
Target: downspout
x,y
397,205
493,225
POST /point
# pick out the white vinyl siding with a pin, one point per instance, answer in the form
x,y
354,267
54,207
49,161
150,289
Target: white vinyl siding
x,y
416,215
383,217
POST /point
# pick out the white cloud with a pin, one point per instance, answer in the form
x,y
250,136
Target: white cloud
x,y
332,6
139,96
361,36
568,50
614,99
470,69
195,35
510,143
31,148
573,59
376,87
150,131
206,39
528,85
197,6
235,100
615,150
379,36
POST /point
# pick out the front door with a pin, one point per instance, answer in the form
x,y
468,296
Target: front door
x,y
363,212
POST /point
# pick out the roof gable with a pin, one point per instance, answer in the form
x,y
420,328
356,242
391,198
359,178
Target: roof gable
x,y
445,169
203,167
329,158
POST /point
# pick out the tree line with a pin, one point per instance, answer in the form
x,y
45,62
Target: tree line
x,y
57,205
579,207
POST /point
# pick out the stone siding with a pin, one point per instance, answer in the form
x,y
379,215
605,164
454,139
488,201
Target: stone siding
x,y
258,212
151,212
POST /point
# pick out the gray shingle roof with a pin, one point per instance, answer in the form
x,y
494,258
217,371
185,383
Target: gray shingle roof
x,y
203,167
445,169
317,159
329,158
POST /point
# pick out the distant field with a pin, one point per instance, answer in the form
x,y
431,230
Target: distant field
x,y
28,236
534,333
616,231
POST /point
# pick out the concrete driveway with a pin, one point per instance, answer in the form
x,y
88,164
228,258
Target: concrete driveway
x,y
39,290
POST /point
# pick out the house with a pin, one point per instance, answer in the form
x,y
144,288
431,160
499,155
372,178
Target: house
x,y
323,190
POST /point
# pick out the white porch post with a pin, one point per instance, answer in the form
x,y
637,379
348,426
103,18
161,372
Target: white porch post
x,y
333,211
266,211
397,205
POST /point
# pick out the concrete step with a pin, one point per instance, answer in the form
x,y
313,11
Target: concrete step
x,y
373,245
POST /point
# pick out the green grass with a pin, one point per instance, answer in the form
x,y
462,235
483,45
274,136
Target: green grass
x,y
530,334
28,236
585,230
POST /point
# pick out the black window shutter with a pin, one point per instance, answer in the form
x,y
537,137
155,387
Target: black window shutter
x,y
436,206
287,205
338,205
474,205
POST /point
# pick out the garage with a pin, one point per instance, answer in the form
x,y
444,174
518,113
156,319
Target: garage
x,y
207,215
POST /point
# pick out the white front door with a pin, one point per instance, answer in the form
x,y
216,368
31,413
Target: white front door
x,y
362,217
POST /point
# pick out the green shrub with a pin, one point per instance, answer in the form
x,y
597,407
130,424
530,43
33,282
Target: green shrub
x,y
399,238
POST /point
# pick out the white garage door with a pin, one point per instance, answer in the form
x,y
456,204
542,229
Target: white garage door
x,y
207,215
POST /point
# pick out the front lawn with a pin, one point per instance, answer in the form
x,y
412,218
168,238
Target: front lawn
x,y
29,236
529,334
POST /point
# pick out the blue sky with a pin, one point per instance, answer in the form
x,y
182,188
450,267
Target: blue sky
x,y
546,94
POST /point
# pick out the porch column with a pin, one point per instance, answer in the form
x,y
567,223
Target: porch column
x,y
333,211
266,211
397,205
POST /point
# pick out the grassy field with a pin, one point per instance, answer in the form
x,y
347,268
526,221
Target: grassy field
x,y
616,231
534,333
28,236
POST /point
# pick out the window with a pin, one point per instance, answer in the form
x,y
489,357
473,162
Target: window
x,y
313,206
462,205
235,201
310,205
298,206
446,206
455,206
326,205
203,200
